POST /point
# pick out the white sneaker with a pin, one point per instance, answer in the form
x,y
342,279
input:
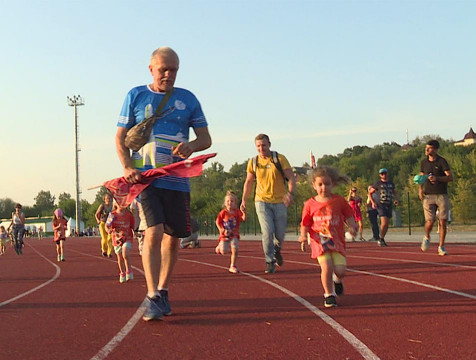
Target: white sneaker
x,y
233,269
442,251
425,243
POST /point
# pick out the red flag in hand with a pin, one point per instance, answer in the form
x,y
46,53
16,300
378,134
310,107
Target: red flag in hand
x,y
124,193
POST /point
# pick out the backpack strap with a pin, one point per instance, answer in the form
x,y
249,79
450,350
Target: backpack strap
x,y
276,162
274,156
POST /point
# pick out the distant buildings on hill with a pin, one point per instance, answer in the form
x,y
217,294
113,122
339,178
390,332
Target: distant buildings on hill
x,y
469,139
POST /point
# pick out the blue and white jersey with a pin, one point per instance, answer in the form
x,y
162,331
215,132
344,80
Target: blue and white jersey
x,y
182,112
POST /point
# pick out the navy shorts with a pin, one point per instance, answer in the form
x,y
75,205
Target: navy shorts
x,y
168,207
384,210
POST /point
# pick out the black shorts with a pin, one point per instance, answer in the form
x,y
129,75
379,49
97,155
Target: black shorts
x,y
385,210
59,240
168,207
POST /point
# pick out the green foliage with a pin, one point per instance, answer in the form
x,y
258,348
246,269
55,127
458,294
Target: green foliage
x,y
361,165
7,206
44,203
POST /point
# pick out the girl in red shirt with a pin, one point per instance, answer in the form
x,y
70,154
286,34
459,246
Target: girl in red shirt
x,y
60,224
228,224
120,223
324,217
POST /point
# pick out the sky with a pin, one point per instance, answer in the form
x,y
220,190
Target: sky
x,y
318,76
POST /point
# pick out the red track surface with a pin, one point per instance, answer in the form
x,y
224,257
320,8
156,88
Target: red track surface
x,y
399,303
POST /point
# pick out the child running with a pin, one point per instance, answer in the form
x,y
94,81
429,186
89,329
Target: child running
x,y
102,213
323,218
3,239
120,223
228,224
60,225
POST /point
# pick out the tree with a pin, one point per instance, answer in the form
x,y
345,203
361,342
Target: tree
x,y
7,206
44,203
67,204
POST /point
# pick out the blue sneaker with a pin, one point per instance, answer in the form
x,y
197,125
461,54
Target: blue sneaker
x,y
153,311
164,303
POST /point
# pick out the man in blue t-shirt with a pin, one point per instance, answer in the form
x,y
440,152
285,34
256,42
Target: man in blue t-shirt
x,y
165,208
386,192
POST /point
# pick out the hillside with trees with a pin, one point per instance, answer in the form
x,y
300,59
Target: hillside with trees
x,y
359,163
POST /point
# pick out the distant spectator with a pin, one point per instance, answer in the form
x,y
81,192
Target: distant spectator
x,y
386,194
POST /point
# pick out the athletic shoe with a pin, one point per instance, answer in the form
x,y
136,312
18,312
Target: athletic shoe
x,y
110,255
164,303
233,269
129,275
382,242
330,301
442,251
62,257
362,239
122,278
59,258
278,256
153,311
270,268
425,243
104,254
339,288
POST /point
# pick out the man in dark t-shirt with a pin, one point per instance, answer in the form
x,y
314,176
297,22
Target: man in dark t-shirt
x,y
386,192
434,193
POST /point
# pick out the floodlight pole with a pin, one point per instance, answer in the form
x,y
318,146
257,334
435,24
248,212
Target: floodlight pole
x,y
76,101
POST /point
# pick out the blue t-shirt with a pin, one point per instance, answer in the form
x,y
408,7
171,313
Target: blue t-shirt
x,y
182,112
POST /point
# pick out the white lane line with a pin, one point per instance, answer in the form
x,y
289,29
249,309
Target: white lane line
x,y
471,267
58,272
116,340
415,261
127,328
358,345
433,287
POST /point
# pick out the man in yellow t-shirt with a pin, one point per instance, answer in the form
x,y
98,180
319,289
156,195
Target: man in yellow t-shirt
x,y
272,197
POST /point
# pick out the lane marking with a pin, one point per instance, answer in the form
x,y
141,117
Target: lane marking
x,y
471,267
58,272
358,345
127,328
116,340
433,287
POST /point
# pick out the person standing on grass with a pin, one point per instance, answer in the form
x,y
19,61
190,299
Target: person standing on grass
x,y
120,224
101,215
434,194
165,203
60,224
386,194
324,218
355,202
228,224
270,170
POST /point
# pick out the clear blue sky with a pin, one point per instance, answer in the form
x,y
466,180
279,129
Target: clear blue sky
x,y
313,75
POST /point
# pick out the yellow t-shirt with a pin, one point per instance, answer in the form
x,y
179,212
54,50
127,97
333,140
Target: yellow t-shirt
x,y
270,186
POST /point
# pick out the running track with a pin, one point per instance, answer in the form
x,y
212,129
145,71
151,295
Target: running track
x,y
399,303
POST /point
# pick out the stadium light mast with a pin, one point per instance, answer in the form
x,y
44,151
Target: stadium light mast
x,y
76,101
